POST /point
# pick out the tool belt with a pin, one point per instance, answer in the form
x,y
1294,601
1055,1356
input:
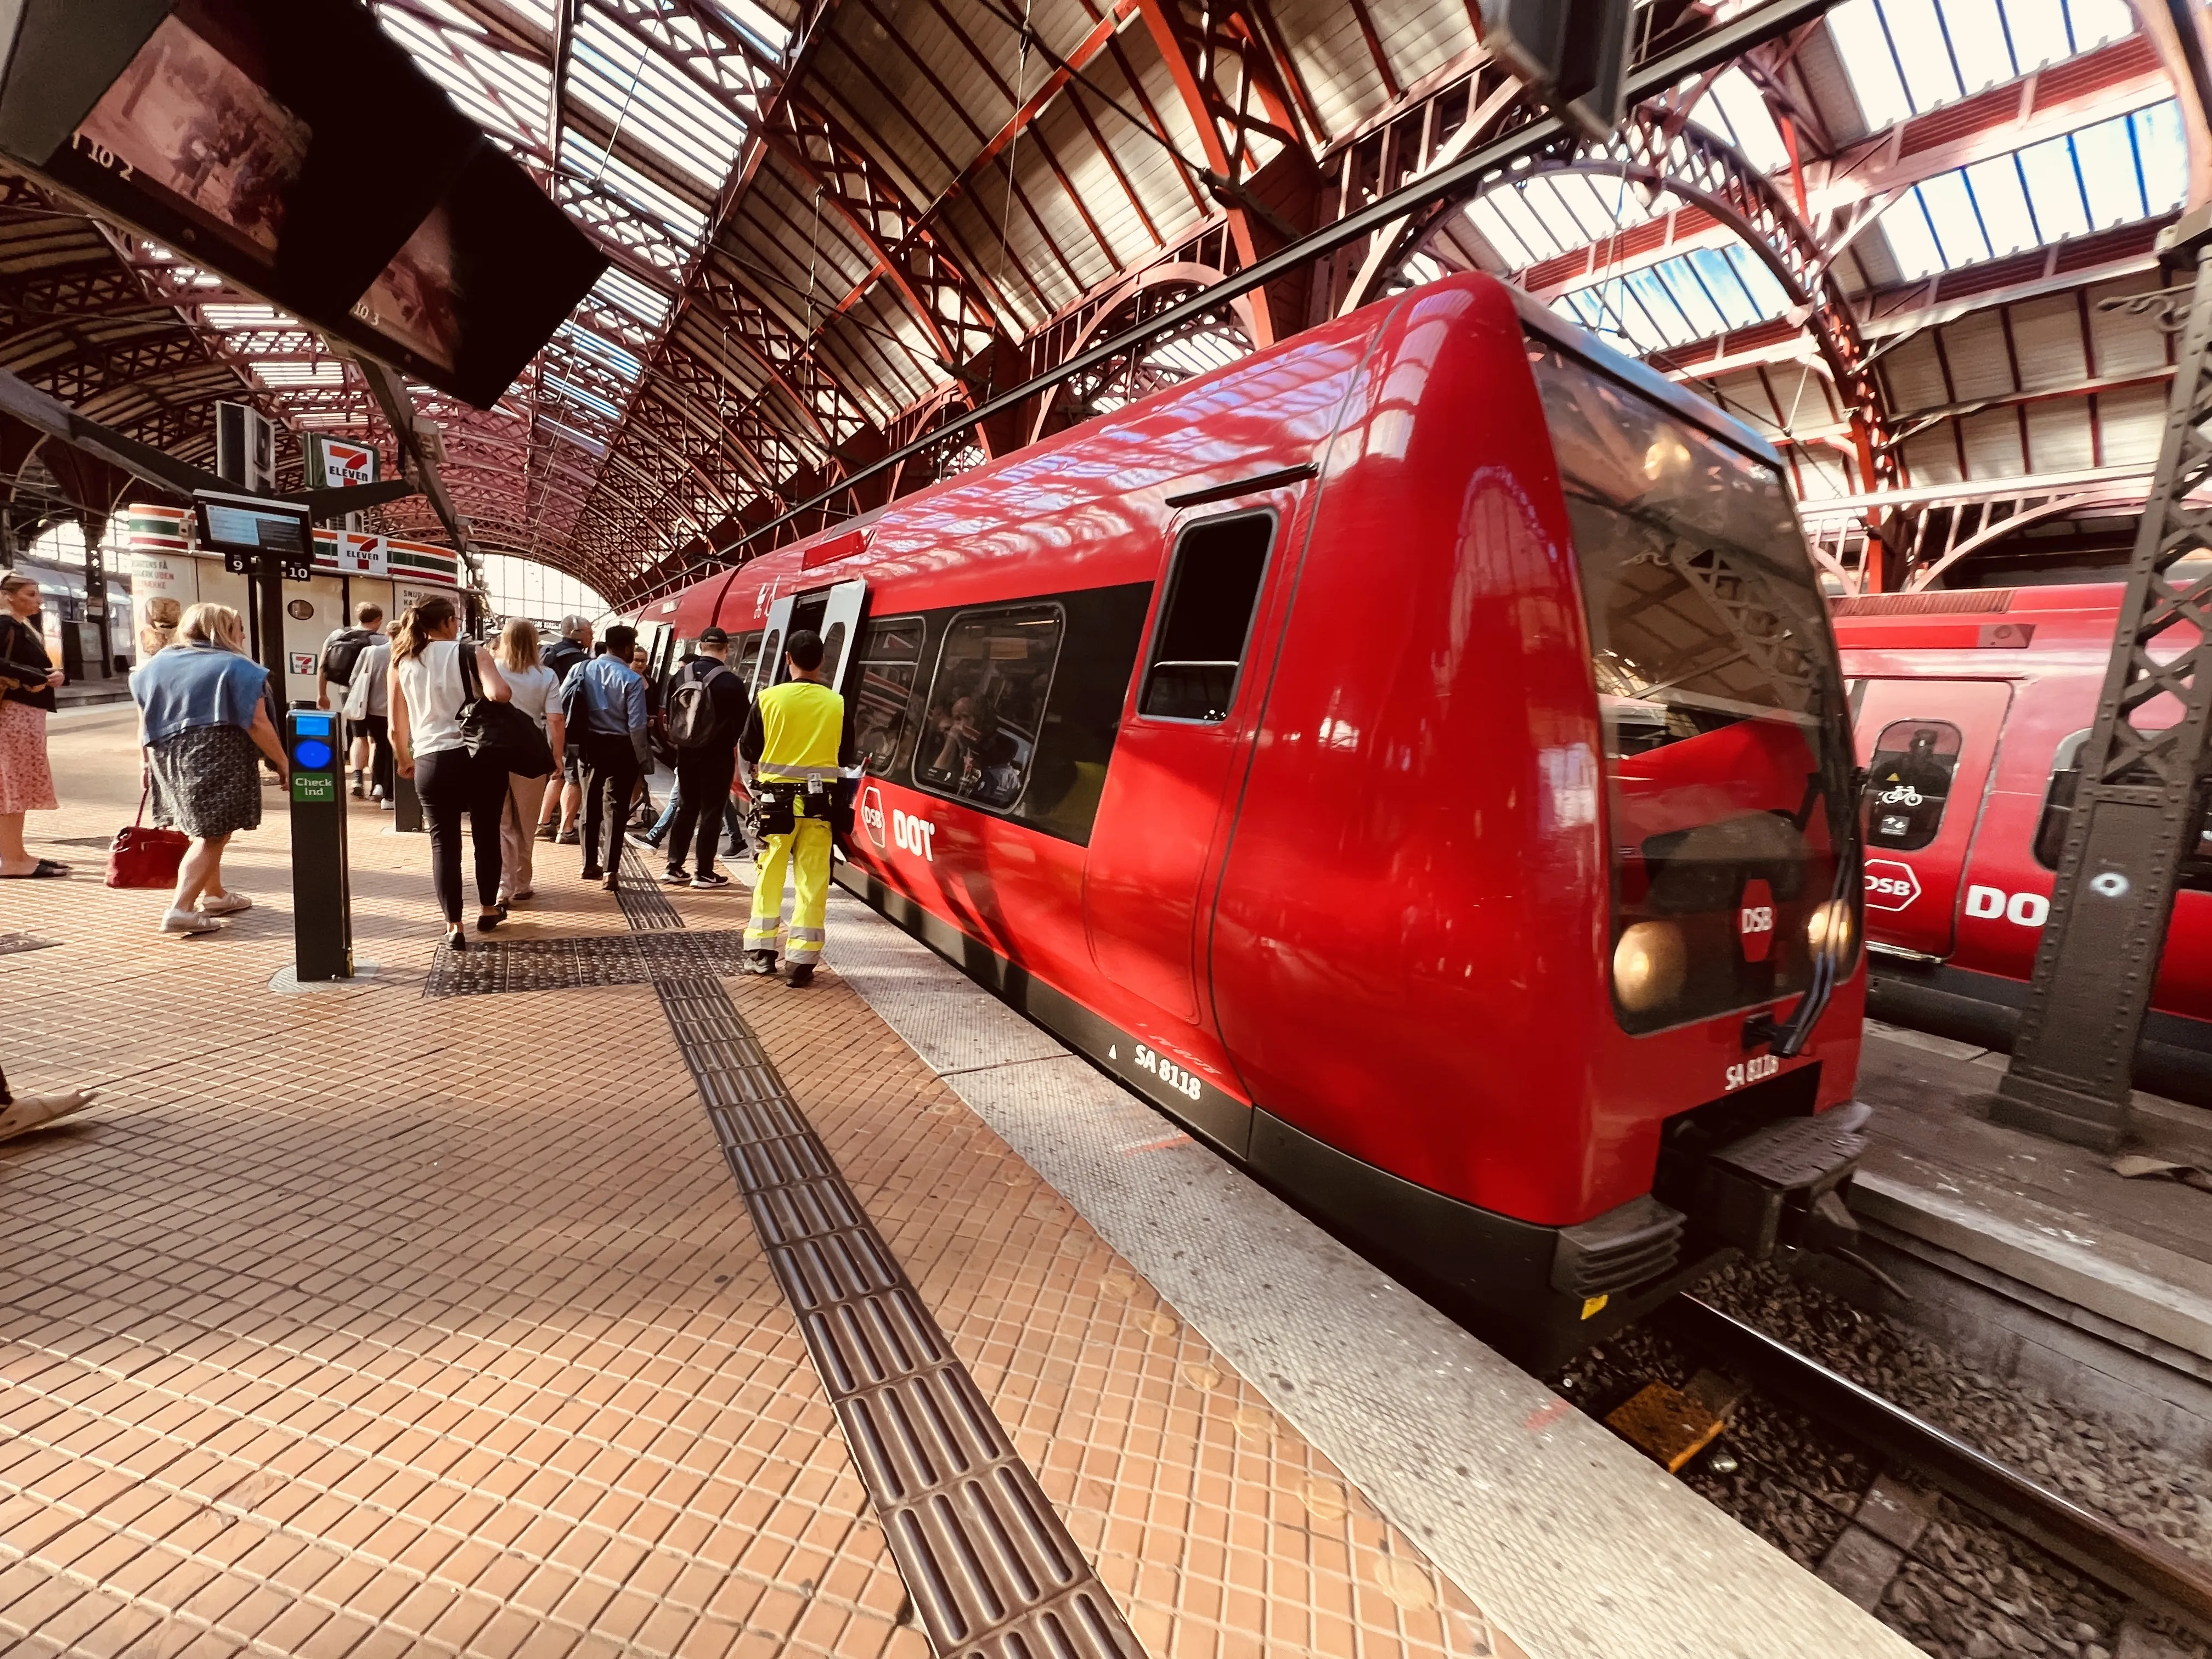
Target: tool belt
x,y
827,799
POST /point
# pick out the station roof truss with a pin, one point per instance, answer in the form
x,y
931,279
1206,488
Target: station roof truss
x,y
1882,240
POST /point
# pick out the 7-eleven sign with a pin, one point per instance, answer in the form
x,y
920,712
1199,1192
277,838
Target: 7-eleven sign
x,y
334,463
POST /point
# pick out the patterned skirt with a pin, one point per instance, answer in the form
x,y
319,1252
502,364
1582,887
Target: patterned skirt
x,y
27,782
207,780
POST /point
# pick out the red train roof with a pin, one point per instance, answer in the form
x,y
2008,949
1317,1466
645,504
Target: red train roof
x,y
2056,616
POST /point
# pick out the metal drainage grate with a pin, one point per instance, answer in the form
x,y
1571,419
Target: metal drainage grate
x,y
490,966
992,1570
11,943
644,906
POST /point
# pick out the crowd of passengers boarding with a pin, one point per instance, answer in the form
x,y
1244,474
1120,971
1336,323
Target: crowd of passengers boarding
x,y
506,735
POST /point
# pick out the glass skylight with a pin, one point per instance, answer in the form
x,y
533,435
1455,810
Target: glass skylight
x,y
1907,55
1734,110
648,100
626,294
2114,172
1692,296
1541,218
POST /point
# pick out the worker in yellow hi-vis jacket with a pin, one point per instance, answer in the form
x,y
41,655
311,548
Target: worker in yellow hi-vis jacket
x,y
798,747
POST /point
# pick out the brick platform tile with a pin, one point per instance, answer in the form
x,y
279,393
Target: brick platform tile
x,y
351,1322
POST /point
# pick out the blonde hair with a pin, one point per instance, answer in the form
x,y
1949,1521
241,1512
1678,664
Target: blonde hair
x,y
517,646
218,625
11,580
159,632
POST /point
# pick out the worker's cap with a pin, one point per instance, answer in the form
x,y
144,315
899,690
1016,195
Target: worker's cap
x,y
713,637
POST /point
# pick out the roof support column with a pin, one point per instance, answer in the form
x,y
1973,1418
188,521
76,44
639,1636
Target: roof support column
x,y
1269,204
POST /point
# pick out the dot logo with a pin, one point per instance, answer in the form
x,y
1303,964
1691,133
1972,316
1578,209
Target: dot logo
x,y
1755,920
872,815
1890,884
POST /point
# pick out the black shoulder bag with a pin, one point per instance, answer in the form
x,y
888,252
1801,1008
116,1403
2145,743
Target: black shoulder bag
x,y
499,734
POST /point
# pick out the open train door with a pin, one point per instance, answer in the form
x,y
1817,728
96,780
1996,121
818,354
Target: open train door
x,y
769,669
1928,746
840,625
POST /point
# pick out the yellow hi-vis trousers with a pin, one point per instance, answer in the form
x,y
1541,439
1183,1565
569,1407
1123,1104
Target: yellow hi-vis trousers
x,y
806,849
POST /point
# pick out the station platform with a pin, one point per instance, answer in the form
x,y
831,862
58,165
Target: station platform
x,y
574,1296
2096,1277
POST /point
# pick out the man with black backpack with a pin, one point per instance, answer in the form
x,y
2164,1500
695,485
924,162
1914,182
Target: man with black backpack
x,y
342,651
707,707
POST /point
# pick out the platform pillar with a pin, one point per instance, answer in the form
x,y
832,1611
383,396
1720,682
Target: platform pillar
x,y
2140,786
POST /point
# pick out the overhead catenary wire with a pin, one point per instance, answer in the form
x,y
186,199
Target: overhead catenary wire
x,y
1007,206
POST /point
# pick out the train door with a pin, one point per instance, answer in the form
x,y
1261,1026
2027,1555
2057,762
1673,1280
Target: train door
x,y
1157,817
841,620
1928,746
768,667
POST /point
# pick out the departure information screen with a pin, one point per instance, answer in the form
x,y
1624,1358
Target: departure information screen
x,y
225,528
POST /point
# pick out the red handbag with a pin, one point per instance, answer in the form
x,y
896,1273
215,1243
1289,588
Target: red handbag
x,y
143,857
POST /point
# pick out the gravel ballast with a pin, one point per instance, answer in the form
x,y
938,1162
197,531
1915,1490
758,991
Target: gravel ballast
x,y
1967,1589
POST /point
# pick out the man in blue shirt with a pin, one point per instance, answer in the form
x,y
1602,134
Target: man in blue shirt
x,y
603,701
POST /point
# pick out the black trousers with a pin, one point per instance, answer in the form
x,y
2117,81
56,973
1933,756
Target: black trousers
x,y
702,791
452,782
377,728
611,774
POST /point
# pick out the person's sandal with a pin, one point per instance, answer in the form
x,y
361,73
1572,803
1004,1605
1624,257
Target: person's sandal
x,y
44,870
456,940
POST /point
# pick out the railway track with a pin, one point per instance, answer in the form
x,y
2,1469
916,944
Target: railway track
x,y
2145,1573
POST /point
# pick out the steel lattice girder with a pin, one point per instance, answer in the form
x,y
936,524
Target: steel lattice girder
x,y
1659,149
2138,793
951,307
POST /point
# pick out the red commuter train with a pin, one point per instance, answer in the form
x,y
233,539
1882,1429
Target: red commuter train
x,y
1971,707
1415,757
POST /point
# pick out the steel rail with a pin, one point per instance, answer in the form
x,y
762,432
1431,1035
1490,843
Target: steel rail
x,y
2146,1571
1647,80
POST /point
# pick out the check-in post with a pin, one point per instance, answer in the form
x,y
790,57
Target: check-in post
x,y
322,901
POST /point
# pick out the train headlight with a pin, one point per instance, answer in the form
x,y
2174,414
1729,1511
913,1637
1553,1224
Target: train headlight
x,y
1649,966
1829,927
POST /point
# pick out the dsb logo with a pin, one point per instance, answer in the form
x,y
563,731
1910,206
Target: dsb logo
x,y
1755,921
872,815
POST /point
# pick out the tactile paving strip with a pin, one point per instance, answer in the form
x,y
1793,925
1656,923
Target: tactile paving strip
x,y
490,966
644,906
992,1570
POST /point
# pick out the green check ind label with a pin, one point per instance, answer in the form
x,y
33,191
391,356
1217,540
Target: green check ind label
x,y
314,787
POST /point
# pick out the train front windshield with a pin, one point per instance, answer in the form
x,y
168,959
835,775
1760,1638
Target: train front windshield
x,y
1728,753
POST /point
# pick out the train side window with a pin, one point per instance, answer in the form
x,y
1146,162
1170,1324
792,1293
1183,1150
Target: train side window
x,y
2059,800
890,659
987,702
1207,618
1908,782
2058,815
745,652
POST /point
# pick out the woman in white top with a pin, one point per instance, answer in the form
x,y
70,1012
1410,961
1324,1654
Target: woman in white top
x,y
426,694
532,686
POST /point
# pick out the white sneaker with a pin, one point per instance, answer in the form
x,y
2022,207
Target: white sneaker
x,y
189,922
225,904
29,1111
